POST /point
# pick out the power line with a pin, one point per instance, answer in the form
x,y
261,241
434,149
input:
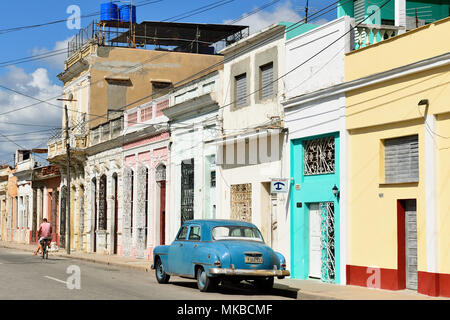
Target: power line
x,y
294,26
4,31
205,8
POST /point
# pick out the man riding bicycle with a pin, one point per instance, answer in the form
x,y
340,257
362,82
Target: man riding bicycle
x,y
44,234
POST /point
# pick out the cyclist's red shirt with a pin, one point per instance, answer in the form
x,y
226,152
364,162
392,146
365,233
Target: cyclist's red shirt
x,y
46,229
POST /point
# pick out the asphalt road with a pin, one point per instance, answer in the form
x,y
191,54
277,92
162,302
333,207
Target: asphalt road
x,y
27,277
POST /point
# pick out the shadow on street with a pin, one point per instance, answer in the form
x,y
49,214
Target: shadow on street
x,y
242,288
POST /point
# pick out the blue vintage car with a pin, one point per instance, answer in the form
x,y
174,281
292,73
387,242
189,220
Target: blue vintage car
x,y
215,250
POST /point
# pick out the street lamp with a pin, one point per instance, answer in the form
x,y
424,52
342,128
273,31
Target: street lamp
x,y
336,191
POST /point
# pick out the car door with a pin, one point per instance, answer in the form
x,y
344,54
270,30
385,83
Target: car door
x,y
176,249
190,248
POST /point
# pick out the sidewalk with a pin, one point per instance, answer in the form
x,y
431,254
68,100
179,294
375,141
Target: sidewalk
x,y
306,289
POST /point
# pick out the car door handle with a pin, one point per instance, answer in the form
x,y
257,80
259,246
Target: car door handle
x,y
195,246
181,244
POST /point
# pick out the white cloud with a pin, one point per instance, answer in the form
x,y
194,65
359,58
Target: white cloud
x,y
281,13
41,116
263,19
57,55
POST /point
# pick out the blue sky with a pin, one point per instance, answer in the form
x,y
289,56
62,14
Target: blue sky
x,y
38,78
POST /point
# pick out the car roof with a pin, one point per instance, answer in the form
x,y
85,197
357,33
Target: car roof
x,y
219,222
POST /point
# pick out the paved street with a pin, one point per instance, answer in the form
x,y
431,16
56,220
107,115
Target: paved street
x,y
24,276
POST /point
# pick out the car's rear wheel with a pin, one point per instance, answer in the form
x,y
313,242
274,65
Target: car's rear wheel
x,y
161,275
265,284
205,283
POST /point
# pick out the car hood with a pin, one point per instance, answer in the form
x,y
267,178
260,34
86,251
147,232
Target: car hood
x,y
239,249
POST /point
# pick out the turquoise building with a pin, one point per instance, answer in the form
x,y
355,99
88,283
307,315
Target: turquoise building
x,y
315,208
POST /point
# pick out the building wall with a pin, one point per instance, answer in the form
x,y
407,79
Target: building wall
x,y
106,163
325,69
188,136
318,118
249,62
121,63
390,109
398,51
148,153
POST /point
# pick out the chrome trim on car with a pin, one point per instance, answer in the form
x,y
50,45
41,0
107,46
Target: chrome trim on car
x,y
249,272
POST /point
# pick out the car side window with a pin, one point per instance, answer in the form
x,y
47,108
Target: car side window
x,y
183,233
194,234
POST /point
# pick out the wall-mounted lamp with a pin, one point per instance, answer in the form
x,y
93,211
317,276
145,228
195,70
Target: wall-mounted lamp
x,y
423,102
336,191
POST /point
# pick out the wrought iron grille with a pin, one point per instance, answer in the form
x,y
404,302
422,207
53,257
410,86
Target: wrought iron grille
x,y
319,156
187,190
327,242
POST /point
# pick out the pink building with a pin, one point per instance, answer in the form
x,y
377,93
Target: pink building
x,y
145,158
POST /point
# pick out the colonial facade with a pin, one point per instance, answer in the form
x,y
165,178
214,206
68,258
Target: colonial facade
x,y
4,201
252,124
145,158
193,118
397,118
316,152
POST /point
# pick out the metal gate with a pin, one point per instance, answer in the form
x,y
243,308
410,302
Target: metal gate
x,y
327,242
411,244
187,190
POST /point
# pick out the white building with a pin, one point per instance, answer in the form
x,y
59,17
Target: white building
x,y
193,116
252,117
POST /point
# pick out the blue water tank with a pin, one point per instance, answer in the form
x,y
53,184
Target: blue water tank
x,y
109,11
125,13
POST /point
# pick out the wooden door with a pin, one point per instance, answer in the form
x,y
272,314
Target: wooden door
x,y
162,213
315,252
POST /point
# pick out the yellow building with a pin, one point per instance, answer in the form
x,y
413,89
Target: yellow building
x,y
398,121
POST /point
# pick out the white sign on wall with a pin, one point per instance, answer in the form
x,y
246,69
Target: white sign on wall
x,y
279,185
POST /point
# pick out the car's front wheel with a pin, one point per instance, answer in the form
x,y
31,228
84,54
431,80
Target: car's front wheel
x,y
161,275
205,283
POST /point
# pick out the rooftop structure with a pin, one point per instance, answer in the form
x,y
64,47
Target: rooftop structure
x,y
155,35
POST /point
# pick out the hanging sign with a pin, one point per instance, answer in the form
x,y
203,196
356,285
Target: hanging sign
x,y
279,185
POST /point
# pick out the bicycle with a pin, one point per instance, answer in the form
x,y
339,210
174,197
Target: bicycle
x,y
45,249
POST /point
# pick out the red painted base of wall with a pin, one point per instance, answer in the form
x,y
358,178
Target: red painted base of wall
x,y
431,284
359,276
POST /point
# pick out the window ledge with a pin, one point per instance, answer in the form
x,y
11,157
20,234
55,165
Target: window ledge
x,y
399,184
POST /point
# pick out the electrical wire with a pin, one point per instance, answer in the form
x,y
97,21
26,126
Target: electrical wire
x,y
4,31
203,71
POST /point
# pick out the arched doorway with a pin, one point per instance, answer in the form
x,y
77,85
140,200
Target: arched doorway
x,y
160,178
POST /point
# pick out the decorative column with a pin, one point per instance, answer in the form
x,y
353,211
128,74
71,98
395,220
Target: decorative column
x,y
141,245
400,14
126,219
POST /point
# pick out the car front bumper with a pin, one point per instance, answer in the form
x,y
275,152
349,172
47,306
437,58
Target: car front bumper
x,y
248,272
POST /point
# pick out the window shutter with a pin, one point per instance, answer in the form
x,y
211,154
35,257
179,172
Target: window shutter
x,y
267,81
401,159
359,10
241,90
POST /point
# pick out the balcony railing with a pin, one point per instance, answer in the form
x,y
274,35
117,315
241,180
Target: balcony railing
x,y
367,34
106,131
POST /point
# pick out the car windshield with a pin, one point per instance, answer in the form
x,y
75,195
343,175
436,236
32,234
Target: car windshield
x,y
236,233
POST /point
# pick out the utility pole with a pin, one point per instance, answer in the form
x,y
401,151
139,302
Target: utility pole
x,y
68,182
306,11
66,112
